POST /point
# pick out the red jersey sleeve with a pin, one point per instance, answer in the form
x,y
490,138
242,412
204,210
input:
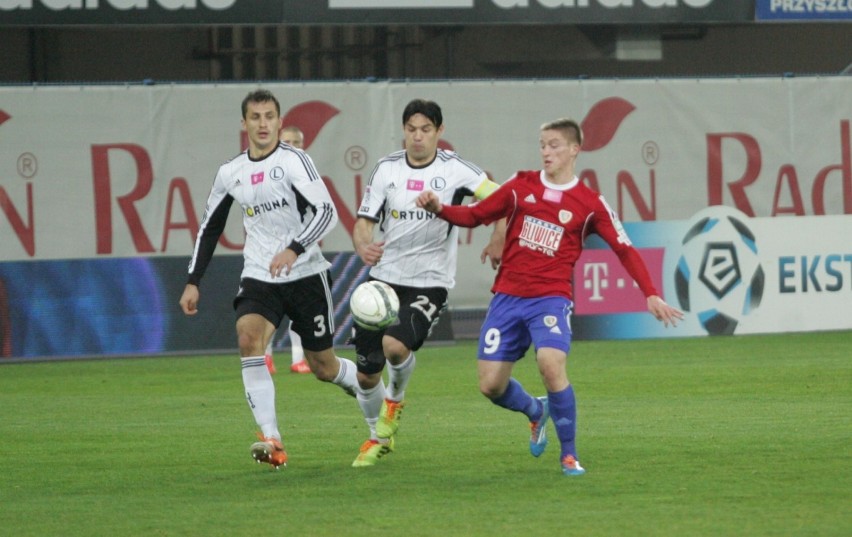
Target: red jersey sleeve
x,y
635,266
608,226
459,215
492,208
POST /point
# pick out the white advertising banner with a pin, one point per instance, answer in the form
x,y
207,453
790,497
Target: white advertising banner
x,y
729,274
124,171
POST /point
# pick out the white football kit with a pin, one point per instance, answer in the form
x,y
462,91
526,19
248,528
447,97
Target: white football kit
x,y
284,203
420,249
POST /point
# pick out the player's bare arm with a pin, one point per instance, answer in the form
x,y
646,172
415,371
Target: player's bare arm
x,y
494,249
189,299
663,312
362,240
429,200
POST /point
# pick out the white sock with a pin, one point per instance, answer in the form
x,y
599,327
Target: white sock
x,y
370,401
398,376
260,394
347,376
296,346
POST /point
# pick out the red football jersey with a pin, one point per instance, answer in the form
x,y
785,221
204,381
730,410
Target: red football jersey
x,y
547,224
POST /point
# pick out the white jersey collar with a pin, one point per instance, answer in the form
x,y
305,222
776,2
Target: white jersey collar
x,y
548,184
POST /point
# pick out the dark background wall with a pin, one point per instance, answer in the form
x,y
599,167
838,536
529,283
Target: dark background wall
x,y
117,54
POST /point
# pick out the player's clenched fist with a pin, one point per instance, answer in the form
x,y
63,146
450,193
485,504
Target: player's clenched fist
x,y
189,299
429,200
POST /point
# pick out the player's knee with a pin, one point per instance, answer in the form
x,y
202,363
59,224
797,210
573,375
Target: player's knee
x,y
250,343
323,364
369,381
491,391
323,373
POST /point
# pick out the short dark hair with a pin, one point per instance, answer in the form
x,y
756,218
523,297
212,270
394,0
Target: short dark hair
x,y
430,109
569,128
260,96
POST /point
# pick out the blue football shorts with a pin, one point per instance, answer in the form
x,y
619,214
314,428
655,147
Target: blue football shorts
x,y
513,323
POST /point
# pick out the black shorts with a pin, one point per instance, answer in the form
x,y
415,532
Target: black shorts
x,y
419,310
307,302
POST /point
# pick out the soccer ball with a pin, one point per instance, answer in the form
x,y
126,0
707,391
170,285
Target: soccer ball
x,y
374,305
719,275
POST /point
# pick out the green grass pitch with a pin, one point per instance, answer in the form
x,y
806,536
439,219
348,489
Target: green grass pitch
x,y
746,435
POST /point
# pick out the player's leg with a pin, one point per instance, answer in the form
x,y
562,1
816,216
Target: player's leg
x,y
328,367
256,314
309,305
401,363
562,406
371,394
298,364
370,401
420,309
371,362
504,339
399,373
270,361
551,333
260,390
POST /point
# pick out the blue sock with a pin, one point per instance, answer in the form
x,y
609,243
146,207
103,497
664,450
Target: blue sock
x,y
563,412
517,399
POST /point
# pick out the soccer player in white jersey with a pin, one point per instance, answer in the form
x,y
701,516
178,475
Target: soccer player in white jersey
x,y
286,211
416,255
549,212
293,136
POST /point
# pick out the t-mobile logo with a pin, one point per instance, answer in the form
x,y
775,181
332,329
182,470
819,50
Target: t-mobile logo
x,y
602,285
595,279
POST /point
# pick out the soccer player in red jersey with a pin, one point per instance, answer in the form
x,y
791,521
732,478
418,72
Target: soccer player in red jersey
x,y
549,213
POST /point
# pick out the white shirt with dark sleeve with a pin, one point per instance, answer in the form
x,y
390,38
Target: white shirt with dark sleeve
x,y
284,204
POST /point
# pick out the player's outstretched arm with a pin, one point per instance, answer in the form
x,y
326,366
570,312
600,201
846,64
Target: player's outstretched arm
x,y
460,215
663,312
189,299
